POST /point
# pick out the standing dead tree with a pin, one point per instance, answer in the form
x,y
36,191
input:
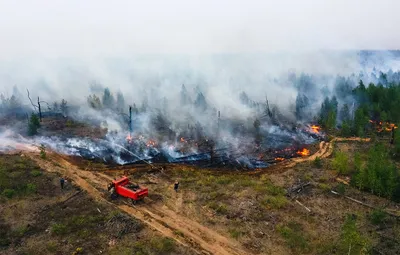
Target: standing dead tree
x,y
37,107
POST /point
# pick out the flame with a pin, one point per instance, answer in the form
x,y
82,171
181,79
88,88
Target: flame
x,y
387,126
303,152
151,143
279,159
315,129
129,138
183,140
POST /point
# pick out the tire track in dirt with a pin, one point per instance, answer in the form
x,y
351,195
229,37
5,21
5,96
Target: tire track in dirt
x,y
192,234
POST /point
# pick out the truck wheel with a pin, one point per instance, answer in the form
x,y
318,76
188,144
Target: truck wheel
x,y
134,201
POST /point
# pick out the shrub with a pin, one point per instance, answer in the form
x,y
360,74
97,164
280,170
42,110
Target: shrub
x,y
42,151
36,173
31,188
341,189
377,217
341,162
318,162
59,229
9,193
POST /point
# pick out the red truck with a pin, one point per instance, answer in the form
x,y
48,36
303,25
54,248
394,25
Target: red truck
x,y
123,187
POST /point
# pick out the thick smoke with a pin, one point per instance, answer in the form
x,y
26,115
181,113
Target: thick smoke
x,y
176,96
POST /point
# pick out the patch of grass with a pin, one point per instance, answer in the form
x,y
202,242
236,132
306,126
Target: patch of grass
x,y
224,180
275,202
235,233
219,208
59,229
20,231
324,186
8,193
294,236
246,182
162,245
51,246
36,173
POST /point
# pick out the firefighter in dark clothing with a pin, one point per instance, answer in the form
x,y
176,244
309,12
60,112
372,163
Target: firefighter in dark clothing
x,y
62,181
176,186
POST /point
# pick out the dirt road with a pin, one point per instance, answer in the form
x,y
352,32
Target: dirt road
x,y
182,229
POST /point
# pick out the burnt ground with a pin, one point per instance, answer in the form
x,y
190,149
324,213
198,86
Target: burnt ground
x,y
37,217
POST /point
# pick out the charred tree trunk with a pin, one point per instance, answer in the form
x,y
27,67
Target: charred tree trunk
x,y
130,121
40,110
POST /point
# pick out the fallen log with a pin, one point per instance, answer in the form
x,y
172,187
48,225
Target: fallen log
x,y
305,207
366,205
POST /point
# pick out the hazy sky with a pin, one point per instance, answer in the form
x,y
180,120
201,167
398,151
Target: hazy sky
x,y
76,27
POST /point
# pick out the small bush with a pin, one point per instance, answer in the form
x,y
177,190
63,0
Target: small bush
x,y
341,189
36,173
42,151
324,186
59,229
31,188
9,193
377,217
318,162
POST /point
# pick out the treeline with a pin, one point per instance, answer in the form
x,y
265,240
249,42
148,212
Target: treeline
x,y
360,107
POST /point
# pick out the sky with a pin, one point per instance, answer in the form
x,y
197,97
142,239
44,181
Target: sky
x,y
56,28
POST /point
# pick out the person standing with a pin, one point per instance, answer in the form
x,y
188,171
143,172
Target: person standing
x,y
62,181
176,186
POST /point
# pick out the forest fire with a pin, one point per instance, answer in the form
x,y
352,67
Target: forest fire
x,y
279,159
304,152
129,138
316,129
151,143
383,126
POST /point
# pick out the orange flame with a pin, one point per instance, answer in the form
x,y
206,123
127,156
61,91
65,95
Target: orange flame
x,y
315,128
129,138
279,159
151,143
183,140
304,152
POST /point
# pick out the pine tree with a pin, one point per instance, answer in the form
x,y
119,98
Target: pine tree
x,y
33,124
120,102
108,99
64,107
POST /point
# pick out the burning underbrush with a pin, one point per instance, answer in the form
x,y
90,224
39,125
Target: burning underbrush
x,y
231,150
